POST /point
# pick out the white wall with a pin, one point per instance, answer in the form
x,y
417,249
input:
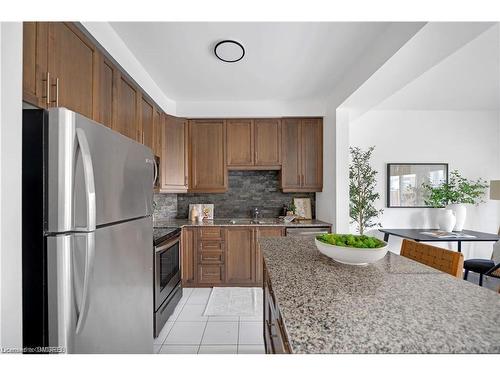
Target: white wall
x,y
250,108
10,184
331,203
114,45
467,140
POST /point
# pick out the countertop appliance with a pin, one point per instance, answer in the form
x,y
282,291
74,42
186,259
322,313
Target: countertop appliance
x,y
167,275
87,229
307,231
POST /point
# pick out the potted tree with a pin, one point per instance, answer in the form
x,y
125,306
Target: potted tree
x,y
362,183
455,194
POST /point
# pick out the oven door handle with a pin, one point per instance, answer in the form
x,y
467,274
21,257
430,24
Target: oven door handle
x,y
163,247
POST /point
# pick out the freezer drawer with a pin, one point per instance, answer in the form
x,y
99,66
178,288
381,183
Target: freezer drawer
x,y
94,169
100,294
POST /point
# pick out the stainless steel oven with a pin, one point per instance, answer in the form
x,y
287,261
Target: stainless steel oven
x,y
167,280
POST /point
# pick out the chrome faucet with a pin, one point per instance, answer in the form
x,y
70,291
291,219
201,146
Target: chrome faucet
x,y
256,213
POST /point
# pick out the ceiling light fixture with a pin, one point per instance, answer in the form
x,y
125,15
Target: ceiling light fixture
x,y
229,51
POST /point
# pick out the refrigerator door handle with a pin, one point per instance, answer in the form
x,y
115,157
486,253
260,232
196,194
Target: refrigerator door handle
x,y
89,268
88,171
155,173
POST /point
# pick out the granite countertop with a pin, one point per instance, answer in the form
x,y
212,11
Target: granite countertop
x,y
163,234
264,222
393,306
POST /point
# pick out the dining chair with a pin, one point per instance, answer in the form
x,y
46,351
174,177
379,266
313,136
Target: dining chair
x,y
488,267
448,261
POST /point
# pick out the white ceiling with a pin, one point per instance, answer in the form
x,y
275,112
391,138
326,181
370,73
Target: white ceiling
x,y
283,61
468,79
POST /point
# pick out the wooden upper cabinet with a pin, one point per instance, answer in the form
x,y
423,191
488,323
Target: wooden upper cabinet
x,y
207,156
127,114
146,128
35,38
174,155
240,143
157,125
254,144
108,76
267,140
312,154
240,255
302,153
72,62
290,168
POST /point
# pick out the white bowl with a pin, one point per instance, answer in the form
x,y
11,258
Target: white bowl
x,y
351,255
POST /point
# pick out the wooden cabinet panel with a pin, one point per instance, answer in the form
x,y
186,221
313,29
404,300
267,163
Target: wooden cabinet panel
x,y
211,233
157,125
312,153
72,61
208,257
262,232
240,143
207,156
146,126
35,38
267,135
302,148
210,274
126,108
188,257
270,232
290,141
275,337
108,78
174,156
240,255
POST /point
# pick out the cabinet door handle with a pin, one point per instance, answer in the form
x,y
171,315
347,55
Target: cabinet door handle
x,y
47,89
56,85
57,92
185,180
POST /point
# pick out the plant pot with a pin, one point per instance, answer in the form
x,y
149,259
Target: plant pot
x,y
460,211
351,255
446,220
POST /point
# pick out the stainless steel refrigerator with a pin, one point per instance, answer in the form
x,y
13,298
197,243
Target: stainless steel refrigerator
x,y
87,237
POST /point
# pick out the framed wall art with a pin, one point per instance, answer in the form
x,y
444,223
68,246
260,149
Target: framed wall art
x,y
404,182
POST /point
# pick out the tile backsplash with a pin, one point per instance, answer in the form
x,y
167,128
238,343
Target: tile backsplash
x,y
164,206
247,189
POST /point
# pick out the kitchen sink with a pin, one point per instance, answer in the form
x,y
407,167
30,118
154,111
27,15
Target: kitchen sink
x,y
252,221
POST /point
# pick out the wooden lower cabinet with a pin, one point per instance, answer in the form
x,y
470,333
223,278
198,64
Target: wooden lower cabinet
x,y
210,274
223,256
262,232
188,257
275,337
240,255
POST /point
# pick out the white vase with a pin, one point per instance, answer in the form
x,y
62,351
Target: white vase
x,y
460,211
447,220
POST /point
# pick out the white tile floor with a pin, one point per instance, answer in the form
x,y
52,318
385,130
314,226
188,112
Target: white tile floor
x,y
189,332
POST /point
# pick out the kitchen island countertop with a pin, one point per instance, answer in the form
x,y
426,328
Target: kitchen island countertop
x,y
393,306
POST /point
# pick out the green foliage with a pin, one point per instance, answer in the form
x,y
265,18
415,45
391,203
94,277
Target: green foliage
x,y
458,190
350,240
362,183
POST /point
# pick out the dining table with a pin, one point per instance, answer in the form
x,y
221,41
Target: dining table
x,y
419,235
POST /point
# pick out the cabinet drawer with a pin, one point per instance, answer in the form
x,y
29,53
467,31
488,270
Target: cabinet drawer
x,y
211,233
210,273
211,246
207,257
